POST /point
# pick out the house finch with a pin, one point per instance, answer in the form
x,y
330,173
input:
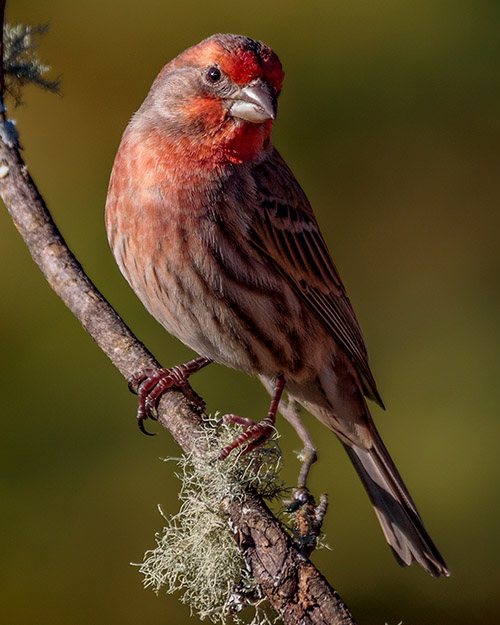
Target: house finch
x,y
217,238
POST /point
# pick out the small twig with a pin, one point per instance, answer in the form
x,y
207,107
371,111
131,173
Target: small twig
x,y
295,588
2,73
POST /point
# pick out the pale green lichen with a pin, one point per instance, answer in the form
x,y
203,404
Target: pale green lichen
x,y
21,63
196,553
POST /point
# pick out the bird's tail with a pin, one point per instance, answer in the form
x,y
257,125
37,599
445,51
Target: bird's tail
x,y
398,516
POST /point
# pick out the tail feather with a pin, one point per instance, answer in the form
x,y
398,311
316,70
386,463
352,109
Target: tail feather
x,y
401,523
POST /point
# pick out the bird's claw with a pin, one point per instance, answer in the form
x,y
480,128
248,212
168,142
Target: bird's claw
x,y
135,380
143,429
234,419
309,518
150,385
254,435
300,496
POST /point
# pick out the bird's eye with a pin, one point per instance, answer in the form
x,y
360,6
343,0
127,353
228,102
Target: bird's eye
x,y
214,75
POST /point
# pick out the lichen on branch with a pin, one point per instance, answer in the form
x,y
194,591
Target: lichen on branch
x,y
22,65
196,553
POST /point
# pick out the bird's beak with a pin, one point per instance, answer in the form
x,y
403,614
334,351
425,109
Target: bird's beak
x,y
255,103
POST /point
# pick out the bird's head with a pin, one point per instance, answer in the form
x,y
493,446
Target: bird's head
x,y
217,100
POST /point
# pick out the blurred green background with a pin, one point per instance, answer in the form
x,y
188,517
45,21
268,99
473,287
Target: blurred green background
x,y
390,120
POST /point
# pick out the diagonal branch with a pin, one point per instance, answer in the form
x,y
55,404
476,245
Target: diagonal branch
x,y
295,588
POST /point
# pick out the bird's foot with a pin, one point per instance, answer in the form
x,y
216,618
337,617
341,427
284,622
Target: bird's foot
x,y
150,384
255,433
309,518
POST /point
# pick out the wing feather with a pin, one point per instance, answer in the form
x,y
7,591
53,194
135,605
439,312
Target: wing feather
x,y
285,230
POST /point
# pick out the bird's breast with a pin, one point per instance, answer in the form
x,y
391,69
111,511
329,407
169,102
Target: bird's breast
x,y
184,248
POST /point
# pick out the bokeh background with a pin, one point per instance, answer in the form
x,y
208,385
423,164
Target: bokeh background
x,y
390,120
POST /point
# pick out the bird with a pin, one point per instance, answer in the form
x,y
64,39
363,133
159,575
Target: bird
x,y
218,240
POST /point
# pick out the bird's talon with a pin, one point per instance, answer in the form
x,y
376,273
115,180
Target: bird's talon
x,y
255,434
133,385
150,405
234,419
140,423
135,381
300,496
252,437
150,385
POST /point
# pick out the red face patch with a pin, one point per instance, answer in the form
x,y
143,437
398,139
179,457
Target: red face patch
x,y
206,130
240,58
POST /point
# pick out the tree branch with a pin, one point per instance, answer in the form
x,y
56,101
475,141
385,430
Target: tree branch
x,y
295,588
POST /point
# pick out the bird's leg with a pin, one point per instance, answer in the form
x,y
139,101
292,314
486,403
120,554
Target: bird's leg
x,y
150,385
255,434
309,453
307,525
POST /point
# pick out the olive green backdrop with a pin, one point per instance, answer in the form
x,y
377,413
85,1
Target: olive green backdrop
x,y
390,119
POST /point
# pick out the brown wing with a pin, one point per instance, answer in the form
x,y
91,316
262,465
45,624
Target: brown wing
x,y
286,231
